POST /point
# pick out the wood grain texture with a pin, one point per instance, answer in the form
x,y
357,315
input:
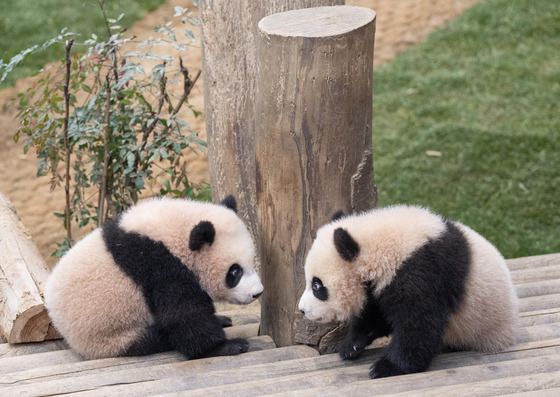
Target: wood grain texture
x,y
23,274
530,366
313,147
229,36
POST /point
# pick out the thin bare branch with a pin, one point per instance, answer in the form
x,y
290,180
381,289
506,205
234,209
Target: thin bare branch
x,y
67,147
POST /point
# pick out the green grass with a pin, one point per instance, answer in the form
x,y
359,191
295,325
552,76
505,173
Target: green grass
x,y
24,23
485,92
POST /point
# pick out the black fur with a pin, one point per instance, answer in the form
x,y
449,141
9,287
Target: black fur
x,y
346,246
319,290
337,215
201,234
184,314
414,307
230,203
233,276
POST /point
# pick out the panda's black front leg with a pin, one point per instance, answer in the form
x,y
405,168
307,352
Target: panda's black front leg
x,y
363,330
417,334
225,321
202,336
187,317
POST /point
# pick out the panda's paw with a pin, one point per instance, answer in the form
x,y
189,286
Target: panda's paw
x,y
351,348
232,347
383,368
225,321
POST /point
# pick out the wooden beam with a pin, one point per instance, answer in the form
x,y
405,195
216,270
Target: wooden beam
x,y
313,148
23,317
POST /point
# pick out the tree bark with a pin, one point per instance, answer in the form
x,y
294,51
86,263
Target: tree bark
x,y
313,110
23,317
229,36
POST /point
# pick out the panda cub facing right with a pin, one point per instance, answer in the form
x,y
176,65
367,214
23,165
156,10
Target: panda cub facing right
x,y
406,272
146,281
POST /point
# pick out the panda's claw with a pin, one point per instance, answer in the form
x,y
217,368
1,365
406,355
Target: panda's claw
x,y
225,321
383,368
350,349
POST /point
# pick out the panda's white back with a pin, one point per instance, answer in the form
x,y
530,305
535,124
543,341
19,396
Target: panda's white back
x,y
487,317
94,305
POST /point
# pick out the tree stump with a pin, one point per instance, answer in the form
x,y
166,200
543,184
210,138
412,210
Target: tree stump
x,y
23,317
313,149
229,35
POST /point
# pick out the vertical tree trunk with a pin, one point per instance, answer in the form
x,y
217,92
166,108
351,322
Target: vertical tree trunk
x,y
313,110
229,32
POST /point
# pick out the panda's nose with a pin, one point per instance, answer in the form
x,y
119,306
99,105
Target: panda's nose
x,y
257,295
302,312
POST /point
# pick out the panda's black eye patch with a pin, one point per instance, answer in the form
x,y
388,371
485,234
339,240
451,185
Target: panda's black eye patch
x,y
319,290
234,275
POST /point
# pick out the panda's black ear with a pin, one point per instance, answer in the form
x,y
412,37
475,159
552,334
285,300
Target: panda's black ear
x,y
337,215
229,202
346,246
201,234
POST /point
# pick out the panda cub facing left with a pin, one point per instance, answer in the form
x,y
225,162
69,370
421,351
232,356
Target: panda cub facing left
x,y
145,282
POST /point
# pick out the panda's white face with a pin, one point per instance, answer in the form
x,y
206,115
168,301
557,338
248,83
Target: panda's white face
x,y
208,238
244,285
225,266
333,290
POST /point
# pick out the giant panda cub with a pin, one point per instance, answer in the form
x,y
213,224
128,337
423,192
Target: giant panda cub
x,y
145,282
409,273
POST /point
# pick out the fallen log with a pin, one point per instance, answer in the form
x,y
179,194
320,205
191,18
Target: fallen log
x,y
23,274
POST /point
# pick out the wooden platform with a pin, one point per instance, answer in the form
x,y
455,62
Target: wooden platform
x,y
530,368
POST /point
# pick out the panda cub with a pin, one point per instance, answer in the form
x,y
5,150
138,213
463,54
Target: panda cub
x,y
145,282
406,272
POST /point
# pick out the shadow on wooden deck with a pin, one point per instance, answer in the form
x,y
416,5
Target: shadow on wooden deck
x,y
531,367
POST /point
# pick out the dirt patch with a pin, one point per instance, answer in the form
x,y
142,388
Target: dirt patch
x,y
399,24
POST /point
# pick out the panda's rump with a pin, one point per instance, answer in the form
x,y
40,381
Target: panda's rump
x,y
93,304
486,318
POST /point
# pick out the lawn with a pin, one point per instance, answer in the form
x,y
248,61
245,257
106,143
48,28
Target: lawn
x,y
484,91
24,23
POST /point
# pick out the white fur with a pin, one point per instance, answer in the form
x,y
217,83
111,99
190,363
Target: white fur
x,y
487,317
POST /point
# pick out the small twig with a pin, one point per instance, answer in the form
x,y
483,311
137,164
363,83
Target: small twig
x,y
106,137
188,85
67,141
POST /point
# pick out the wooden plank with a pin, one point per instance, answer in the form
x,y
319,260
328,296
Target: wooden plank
x,y
549,392
243,331
542,318
346,380
538,332
538,288
20,349
532,262
96,378
542,302
22,363
49,371
310,366
495,387
523,276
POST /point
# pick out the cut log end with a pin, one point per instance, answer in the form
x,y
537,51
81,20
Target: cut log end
x,y
33,325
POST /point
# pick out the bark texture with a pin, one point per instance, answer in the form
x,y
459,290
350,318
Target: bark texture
x,y
313,149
